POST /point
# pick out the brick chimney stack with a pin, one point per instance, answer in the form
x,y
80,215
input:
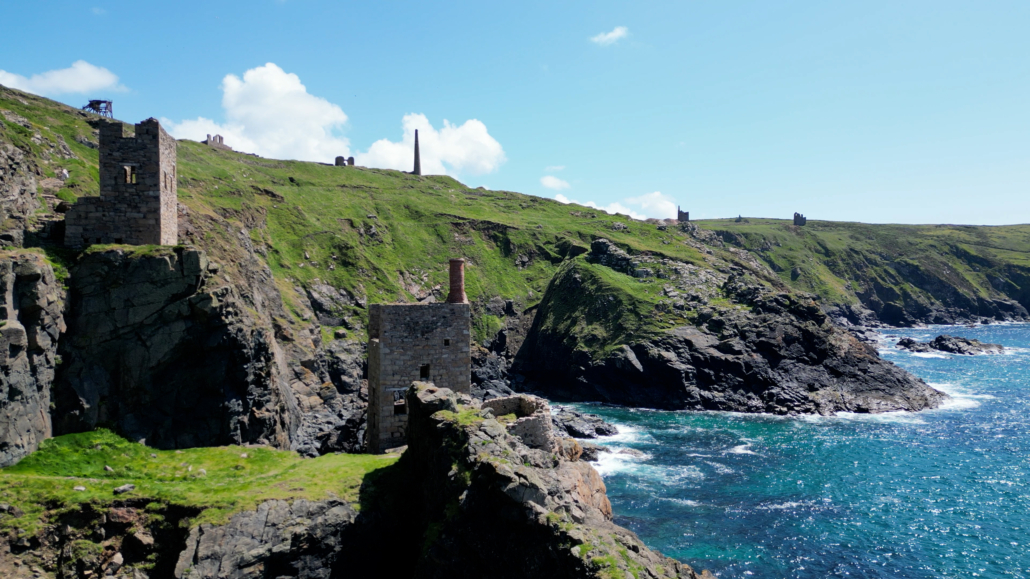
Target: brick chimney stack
x,y
418,162
457,293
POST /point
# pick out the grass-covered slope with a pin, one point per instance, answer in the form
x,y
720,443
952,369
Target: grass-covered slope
x,y
902,272
217,481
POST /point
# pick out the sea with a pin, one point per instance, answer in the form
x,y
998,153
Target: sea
x,y
942,493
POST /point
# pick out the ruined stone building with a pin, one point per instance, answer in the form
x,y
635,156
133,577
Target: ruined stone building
x,y
682,215
137,202
344,161
217,142
800,219
415,342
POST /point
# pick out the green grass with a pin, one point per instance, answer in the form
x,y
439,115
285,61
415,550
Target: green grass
x,y
45,479
837,260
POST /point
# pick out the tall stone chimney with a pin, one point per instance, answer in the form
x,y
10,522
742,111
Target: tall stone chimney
x,y
418,171
457,293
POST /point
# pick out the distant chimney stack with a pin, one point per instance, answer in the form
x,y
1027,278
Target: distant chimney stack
x,y
457,293
418,167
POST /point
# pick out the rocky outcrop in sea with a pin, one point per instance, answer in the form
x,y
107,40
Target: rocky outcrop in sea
x,y
951,345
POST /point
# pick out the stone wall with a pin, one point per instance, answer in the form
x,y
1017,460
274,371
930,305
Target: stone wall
x,y
532,419
31,302
408,343
137,203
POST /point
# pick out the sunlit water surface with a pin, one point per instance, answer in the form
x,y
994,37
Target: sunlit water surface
x,y
941,493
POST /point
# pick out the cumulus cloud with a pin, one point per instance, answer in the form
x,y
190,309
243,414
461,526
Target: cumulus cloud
x,y
552,182
609,38
465,148
656,205
611,208
271,113
80,77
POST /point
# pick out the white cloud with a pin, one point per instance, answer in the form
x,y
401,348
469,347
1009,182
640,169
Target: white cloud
x,y
80,77
611,208
555,183
655,205
466,148
554,168
269,112
608,38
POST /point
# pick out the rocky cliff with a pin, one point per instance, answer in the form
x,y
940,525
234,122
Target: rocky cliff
x,y
491,506
897,275
159,352
746,347
31,303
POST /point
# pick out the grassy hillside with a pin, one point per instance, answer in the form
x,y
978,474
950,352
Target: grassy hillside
x,y
846,262
219,481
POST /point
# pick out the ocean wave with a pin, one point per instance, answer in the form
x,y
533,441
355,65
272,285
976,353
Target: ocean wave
x,y
684,502
719,467
740,449
896,417
958,397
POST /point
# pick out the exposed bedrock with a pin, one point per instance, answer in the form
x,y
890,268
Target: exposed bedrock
x,y
778,353
494,507
951,345
31,320
158,355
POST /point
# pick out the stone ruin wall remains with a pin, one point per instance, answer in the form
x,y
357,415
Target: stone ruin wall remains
x,y
138,193
532,419
409,343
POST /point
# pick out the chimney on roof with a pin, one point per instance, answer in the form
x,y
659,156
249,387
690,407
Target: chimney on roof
x,y
418,163
457,292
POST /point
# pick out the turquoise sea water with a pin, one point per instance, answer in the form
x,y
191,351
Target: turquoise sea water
x,y
941,493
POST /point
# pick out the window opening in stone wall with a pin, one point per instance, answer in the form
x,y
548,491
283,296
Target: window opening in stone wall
x,y
423,372
130,173
400,407
446,342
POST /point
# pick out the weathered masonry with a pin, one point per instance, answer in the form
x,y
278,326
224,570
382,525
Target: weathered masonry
x,y
137,202
800,219
415,342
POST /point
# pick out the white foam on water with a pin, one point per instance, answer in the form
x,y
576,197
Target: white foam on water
x,y
896,417
612,462
627,435
719,467
929,355
959,398
740,449
684,502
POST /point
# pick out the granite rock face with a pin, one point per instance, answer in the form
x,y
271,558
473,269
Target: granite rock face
x,y
501,509
302,540
31,303
17,185
771,352
157,354
951,345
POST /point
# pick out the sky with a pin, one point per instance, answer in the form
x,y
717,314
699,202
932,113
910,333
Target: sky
x,y
874,111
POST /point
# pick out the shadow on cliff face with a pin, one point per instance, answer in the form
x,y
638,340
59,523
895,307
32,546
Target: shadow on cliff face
x,y
158,356
386,538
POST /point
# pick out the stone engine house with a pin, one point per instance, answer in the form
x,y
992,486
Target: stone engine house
x,y
415,342
137,203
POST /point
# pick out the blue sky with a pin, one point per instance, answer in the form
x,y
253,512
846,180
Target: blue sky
x,y
914,112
